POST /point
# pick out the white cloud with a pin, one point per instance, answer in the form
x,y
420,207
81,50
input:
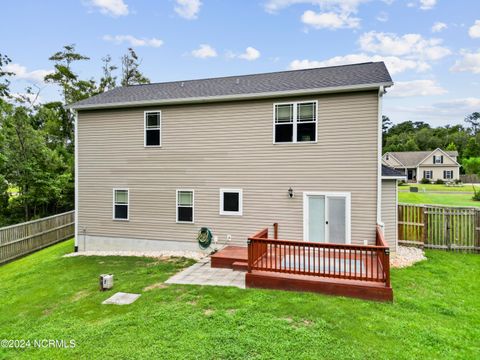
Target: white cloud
x,y
250,54
394,64
469,103
439,26
382,16
427,4
188,9
204,51
474,30
22,73
133,41
329,20
416,88
410,45
111,7
469,62
333,14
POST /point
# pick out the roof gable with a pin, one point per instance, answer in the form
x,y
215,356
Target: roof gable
x,y
414,158
319,79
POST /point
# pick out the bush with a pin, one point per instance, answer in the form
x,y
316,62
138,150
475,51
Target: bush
x,y
439,182
457,181
476,194
402,183
424,181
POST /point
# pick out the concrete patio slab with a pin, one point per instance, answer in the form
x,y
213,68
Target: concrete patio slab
x,y
202,274
121,298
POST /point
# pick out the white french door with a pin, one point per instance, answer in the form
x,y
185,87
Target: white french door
x,y
326,217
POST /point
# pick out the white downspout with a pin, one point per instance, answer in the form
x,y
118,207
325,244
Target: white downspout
x,y
381,91
76,180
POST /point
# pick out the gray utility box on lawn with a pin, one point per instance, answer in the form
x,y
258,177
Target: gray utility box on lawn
x,y
106,282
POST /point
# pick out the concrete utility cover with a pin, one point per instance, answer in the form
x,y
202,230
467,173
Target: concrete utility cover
x,y
121,298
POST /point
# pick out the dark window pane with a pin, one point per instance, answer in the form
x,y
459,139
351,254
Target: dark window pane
x,y
306,132
185,214
153,138
230,201
121,211
284,133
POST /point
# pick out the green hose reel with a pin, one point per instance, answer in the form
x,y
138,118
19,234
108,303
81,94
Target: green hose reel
x,y
204,238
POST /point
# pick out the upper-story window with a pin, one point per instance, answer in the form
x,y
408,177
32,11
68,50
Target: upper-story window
x,y
387,157
438,159
295,122
153,125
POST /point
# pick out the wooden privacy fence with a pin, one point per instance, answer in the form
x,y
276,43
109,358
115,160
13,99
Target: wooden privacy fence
x,y
21,239
439,227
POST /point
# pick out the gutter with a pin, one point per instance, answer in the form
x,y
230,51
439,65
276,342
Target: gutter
x,y
235,97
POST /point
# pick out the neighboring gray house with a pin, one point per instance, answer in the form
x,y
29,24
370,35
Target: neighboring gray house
x,y
157,162
431,165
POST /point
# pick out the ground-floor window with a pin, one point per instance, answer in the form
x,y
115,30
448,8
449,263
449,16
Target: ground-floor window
x,y
448,174
185,206
231,202
120,204
428,174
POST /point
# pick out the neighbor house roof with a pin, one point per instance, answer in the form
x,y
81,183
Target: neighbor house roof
x,y
370,75
413,158
388,172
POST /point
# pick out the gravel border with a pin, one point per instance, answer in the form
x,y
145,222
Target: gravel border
x,y
195,255
407,256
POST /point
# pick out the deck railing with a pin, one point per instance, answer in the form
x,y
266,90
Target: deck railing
x,y
353,262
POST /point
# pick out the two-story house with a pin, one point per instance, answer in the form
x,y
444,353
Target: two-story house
x,y
157,162
430,165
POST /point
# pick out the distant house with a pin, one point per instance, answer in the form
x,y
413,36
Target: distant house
x,y
431,165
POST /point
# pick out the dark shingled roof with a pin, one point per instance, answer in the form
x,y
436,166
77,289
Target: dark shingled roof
x,y
390,172
256,84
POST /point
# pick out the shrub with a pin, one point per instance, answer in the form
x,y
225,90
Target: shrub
x,y
439,182
457,181
424,181
476,194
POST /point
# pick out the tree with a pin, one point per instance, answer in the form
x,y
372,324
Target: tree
x,y
451,147
131,74
73,89
108,81
4,83
471,165
474,121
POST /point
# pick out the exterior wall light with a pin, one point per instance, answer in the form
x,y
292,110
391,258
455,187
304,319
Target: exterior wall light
x,y
290,192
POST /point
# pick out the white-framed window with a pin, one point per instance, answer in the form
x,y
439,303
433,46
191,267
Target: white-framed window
x,y
448,174
153,128
295,122
438,159
121,200
428,174
185,206
231,202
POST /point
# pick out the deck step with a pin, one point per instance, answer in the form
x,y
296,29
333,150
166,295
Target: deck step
x,y
240,266
227,256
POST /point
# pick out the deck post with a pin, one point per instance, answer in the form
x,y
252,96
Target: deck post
x,y
275,231
249,255
386,266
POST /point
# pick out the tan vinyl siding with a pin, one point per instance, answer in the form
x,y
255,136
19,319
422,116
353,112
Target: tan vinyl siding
x,y
389,212
206,147
446,160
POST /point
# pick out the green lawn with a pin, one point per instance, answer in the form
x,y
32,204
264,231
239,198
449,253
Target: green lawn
x,y
44,296
438,187
437,199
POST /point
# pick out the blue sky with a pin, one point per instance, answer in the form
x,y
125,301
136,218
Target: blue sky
x,y
431,47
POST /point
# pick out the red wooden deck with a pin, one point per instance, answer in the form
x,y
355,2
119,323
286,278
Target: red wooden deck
x,y
346,270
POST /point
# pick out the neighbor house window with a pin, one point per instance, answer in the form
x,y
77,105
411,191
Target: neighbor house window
x,y
185,206
387,157
153,124
295,122
428,174
448,174
120,204
231,202
438,159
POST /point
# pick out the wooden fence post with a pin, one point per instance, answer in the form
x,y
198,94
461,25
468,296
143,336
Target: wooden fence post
x,y
425,225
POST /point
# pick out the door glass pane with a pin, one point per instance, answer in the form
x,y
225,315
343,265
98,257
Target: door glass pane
x,y
336,219
316,218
